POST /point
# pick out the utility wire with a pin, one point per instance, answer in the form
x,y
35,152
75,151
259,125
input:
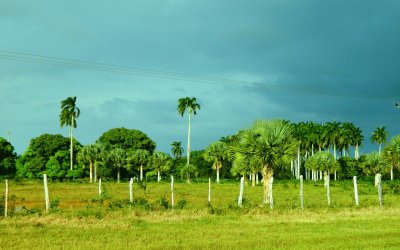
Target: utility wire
x,y
87,65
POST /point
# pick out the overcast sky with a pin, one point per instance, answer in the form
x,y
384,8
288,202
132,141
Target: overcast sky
x,y
298,60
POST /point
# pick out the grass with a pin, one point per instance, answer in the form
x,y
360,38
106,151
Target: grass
x,y
84,225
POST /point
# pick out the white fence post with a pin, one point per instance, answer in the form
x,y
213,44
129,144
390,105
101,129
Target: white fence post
x,y
378,183
240,199
130,190
46,192
355,190
99,186
301,193
209,190
172,192
6,200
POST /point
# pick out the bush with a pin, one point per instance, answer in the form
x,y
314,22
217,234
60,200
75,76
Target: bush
x,y
54,204
181,203
163,203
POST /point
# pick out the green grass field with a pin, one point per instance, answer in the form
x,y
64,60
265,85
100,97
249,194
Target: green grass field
x,y
82,222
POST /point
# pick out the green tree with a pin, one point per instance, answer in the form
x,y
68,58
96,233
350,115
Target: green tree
x,y
216,153
269,144
57,166
191,106
374,164
7,158
323,161
161,162
127,139
391,154
140,157
176,149
117,156
89,154
379,136
188,171
69,113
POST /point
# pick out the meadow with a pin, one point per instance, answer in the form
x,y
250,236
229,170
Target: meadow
x,y
81,219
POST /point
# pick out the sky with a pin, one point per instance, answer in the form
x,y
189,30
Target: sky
x,y
128,62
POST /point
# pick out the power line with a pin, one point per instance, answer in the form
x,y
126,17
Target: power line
x,y
88,65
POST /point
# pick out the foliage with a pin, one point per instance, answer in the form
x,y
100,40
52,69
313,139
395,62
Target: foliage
x,y
7,158
216,153
374,164
127,139
188,171
176,149
391,153
349,167
322,161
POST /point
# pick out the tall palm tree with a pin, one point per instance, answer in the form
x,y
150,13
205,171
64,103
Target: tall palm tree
x,y
216,153
379,136
191,106
269,144
89,153
69,113
177,149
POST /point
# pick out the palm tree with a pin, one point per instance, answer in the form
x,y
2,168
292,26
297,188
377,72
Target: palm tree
x,y
140,157
89,154
216,153
69,113
379,136
161,163
117,157
323,161
191,106
374,164
176,149
391,154
269,144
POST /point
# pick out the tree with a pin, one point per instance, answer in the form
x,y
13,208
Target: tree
x,y
117,156
127,139
7,158
176,149
216,153
391,154
89,154
188,171
58,164
191,106
69,113
269,144
161,162
374,164
323,161
140,157
379,136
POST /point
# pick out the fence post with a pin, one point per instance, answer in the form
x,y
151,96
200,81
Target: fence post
x,y
99,186
301,193
46,192
355,190
240,199
130,190
6,200
209,190
378,183
172,191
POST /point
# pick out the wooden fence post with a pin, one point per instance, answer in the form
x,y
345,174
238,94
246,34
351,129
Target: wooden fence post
x,y
209,190
301,193
355,190
240,199
46,192
6,200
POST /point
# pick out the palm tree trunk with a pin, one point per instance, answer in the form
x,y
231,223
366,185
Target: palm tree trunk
x,y
118,175
253,180
91,171
328,194
217,175
188,144
380,146
95,171
158,176
141,172
267,174
298,163
391,173
71,146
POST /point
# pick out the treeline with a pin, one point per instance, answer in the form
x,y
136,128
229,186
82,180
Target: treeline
x,y
122,153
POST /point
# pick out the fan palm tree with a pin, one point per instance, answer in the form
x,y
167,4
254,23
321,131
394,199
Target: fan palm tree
x,y
216,153
176,149
191,106
323,161
89,154
117,156
140,157
269,144
391,154
161,163
374,164
379,136
69,113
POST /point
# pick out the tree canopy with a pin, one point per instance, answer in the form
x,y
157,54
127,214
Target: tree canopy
x,y
7,158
